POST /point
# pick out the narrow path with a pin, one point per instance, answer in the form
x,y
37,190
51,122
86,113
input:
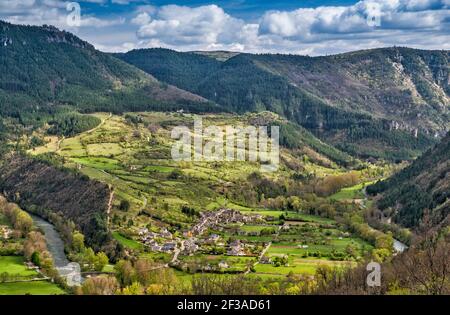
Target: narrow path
x,y
28,280
58,144
108,209
259,257
144,202
177,252
100,124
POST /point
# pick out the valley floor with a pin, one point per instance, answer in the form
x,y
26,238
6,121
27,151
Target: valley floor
x,y
162,208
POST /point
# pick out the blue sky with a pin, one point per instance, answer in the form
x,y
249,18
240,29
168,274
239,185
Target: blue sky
x,y
313,27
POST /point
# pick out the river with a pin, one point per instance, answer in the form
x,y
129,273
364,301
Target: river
x,y
54,242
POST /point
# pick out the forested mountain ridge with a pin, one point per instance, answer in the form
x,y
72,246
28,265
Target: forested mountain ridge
x,y
424,185
247,82
408,86
43,66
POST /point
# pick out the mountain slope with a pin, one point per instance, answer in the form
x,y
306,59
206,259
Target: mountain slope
x,y
408,86
43,66
248,82
425,184
46,190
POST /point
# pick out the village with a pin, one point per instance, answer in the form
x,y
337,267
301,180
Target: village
x,y
198,236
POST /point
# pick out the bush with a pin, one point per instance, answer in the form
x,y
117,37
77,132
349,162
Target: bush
x,y
124,205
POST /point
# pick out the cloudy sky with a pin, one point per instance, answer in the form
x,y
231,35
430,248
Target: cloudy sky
x,y
313,27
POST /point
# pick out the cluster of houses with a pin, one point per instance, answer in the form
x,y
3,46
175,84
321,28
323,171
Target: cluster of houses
x,y
236,248
217,219
164,241
149,238
5,232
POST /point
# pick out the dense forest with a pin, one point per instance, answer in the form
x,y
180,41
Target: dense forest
x,y
69,124
42,67
42,188
423,188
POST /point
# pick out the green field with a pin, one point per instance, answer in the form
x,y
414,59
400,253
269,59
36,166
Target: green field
x,y
33,288
297,266
14,265
126,241
307,218
353,192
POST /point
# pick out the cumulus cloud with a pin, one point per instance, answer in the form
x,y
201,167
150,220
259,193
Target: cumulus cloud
x,y
358,18
321,30
368,21
141,19
205,25
52,12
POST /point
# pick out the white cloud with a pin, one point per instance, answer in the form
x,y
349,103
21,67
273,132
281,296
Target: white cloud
x,y
205,27
174,24
326,29
340,28
141,19
52,12
392,14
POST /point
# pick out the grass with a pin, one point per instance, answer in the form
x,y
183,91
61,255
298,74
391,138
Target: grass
x,y
108,268
297,266
126,241
236,263
101,149
98,162
14,265
308,218
159,168
353,192
33,288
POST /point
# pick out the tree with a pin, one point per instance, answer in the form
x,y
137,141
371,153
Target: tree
x,y
124,205
35,242
90,258
35,259
100,261
99,286
125,273
23,222
134,289
78,242
143,267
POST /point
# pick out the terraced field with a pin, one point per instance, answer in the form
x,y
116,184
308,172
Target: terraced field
x,y
132,154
